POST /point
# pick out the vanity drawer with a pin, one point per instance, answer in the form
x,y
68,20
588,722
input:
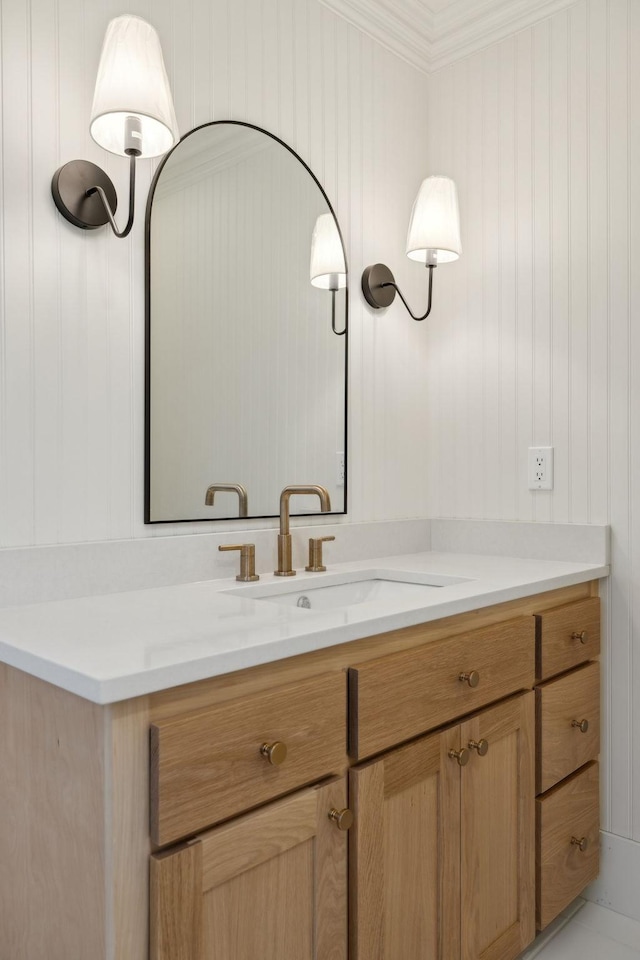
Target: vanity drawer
x,y
562,705
568,813
208,765
567,636
402,695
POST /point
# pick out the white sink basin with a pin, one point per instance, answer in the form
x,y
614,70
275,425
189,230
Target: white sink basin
x,y
334,591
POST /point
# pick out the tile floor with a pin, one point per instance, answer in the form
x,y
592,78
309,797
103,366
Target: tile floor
x,y
593,933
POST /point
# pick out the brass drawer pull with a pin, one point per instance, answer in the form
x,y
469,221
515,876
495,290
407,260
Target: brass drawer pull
x,y
343,819
580,635
582,725
472,678
462,756
275,753
482,746
581,843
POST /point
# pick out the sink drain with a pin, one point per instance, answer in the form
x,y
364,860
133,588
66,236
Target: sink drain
x,y
304,601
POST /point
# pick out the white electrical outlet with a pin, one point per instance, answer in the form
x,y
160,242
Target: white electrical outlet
x,y
540,468
340,469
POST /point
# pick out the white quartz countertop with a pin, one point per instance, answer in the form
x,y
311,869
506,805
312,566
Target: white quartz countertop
x,y
110,648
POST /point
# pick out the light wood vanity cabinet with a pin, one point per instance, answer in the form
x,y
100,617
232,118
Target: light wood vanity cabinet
x,y
271,884
211,764
568,744
181,840
442,852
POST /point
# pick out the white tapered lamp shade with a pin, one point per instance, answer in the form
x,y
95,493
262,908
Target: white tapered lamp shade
x,y
435,222
327,268
132,82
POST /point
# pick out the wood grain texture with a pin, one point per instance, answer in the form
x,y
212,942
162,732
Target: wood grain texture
x,y
127,799
557,649
498,833
331,876
175,917
248,841
53,848
271,884
561,747
206,766
569,810
402,695
405,853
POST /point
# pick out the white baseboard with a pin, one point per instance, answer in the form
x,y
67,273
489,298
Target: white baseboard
x,y
619,881
549,932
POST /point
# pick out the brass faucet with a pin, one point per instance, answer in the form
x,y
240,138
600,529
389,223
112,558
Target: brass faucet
x,y
234,487
284,537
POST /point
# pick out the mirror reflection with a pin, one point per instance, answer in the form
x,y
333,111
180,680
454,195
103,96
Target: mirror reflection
x,y
246,313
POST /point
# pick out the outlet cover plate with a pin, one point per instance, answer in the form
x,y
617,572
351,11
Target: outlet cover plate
x,y
540,468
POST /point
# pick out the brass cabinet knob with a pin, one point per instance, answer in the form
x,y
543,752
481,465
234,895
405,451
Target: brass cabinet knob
x,y
582,843
343,819
582,725
275,753
482,746
580,635
462,756
472,678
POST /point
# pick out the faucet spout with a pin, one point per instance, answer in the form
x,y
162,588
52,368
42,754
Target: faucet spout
x,y
288,492
284,538
243,499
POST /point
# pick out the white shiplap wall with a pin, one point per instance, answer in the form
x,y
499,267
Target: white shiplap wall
x,y
535,341
72,303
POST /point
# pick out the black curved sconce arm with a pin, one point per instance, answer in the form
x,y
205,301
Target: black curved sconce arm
x,y
379,288
340,333
132,199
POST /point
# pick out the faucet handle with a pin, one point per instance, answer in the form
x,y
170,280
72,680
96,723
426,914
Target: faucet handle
x,y
247,560
315,554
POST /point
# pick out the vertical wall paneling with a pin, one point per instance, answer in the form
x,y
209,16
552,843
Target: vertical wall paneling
x,y
633,27
18,201
505,243
579,394
543,251
561,376
620,421
550,227
524,268
72,343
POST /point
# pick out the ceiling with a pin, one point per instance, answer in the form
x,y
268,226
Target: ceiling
x,y
433,33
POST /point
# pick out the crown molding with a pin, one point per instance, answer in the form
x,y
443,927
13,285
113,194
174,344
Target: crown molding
x,y
430,38
405,28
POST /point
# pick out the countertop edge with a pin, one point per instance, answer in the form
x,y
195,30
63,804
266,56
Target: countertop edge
x,y
124,687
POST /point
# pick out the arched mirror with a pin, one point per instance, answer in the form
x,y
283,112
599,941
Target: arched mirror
x,y
246,306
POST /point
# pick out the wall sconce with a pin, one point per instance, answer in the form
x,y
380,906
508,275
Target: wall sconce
x,y
327,268
132,116
433,238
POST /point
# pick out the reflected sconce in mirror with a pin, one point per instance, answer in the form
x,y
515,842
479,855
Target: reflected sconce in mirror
x,y
132,116
433,238
327,269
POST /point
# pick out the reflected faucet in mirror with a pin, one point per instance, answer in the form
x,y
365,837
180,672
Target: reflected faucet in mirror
x,y
284,537
243,498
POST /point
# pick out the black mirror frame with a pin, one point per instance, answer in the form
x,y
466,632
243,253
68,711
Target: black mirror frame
x,y
147,333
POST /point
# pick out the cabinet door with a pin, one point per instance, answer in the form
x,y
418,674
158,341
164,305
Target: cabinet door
x,y
405,853
272,884
498,832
